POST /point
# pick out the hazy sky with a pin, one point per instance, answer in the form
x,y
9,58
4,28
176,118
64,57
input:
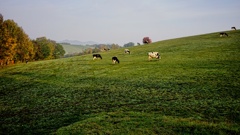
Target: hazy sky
x,y
121,21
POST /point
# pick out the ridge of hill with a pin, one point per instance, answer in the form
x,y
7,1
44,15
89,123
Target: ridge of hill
x,y
193,89
76,42
71,49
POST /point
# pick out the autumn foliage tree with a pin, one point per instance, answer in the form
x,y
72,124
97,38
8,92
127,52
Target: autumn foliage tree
x,y
16,46
8,41
147,40
24,49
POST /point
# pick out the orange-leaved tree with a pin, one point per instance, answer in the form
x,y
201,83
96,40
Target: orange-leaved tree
x,y
147,40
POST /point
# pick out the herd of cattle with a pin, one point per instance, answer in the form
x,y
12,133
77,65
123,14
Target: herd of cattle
x,y
225,34
151,55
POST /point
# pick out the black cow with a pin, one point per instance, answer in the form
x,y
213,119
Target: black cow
x,y
223,34
233,28
106,49
115,59
95,56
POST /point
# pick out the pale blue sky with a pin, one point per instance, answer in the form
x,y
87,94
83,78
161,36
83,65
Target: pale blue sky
x,y
121,21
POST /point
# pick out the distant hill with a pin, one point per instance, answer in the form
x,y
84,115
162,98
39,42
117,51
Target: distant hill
x,y
76,42
71,49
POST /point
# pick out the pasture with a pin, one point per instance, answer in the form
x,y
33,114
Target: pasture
x,y
193,89
72,49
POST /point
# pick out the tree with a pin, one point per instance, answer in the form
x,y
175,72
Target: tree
x,y
115,46
58,51
96,50
14,43
147,40
24,48
128,44
47,49
37,51
43,47
1,19
8,41
102,47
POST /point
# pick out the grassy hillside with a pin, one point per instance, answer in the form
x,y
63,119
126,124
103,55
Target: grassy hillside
x,y
193,89
71,49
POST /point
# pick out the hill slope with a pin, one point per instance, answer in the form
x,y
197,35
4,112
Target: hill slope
x,y
71,49
193,89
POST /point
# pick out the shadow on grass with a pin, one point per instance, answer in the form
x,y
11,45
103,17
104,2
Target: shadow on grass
x,y
42,103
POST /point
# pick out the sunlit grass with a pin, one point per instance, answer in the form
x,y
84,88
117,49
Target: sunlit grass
x,y
144,123
193,89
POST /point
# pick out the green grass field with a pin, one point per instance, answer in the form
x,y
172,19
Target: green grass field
x,y
71,49
193,89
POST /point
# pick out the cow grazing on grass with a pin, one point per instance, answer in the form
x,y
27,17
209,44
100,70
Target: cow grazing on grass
x,y
233,28
95,56
106,49
223,34
154,55
115,59
127,51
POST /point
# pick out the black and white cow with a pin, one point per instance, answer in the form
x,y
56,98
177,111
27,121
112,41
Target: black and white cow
x,y
115,59
223,34
127,51
233,28
153,55
95,56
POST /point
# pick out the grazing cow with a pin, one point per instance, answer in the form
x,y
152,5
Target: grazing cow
x,y
233,28
106,49
95,56
154,55
127,51
223,34
115,59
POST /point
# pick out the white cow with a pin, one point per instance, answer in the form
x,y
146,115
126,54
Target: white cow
x,y
153,55
127,51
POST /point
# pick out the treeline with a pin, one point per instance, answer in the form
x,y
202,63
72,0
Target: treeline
x,y
16,46
96,48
